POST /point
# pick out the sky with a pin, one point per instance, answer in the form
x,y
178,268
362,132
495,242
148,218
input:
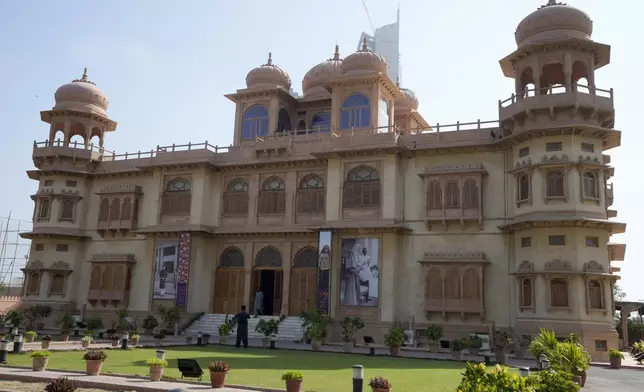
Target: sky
x,y
165,66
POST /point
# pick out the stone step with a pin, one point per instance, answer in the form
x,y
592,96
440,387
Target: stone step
x,y
290,328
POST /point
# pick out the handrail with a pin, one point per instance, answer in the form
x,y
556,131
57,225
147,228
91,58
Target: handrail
x,y
557,89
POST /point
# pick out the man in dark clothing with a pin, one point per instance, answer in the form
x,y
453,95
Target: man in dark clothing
x,y
242,327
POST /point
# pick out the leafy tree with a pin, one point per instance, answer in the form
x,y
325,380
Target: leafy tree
x,y
618,293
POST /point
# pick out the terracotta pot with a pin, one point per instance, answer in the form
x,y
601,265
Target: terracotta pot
x,y
615,363
39,364
84,343
223,339
135,341
217,379
473,351
44,344
379,390
293,385
576,380
93,367
434,347
347,347
394,351
156,372
316,344
64,338
457,355
115,342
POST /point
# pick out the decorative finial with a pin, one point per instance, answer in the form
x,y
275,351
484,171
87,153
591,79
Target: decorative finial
x,y
336,55
364,44
84,78
270,59
552,2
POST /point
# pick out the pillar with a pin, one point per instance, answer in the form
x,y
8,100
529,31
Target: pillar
x,y
286,279
568,72
624,313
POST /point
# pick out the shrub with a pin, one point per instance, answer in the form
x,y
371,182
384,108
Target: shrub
x,y
613,353
31,333
554,381
135,336
395,337
219,366
292,375
94,323
45,338
40,354
267,328
476,378
157,362
379,383
434,333
546,341
87,339
351,325
224,330
475,341
62,384
458,344
94,355
150,322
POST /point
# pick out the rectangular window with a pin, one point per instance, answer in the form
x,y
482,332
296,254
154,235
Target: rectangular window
x,y
524,152
39,246
601,345
62,247
554,146
592,242
71,184
557,240
49,182
526,242
587,147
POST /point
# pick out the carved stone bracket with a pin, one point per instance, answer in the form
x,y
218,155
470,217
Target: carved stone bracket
x,y
454,257
119,188
558,265
453,169
113,258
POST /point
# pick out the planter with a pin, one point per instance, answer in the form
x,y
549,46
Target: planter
x,y
223,339
576,380
615,363
293,385
394,351
135,341
501,357
64,337
115,342
434,347
583,376
379,390
316,344
93,367
29,338
217,379
473,351
347,347
84,344
44,344
457,355
39,364
156,372
519,353
266,342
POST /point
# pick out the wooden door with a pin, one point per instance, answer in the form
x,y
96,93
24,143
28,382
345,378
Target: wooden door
x,y
303,291
229,290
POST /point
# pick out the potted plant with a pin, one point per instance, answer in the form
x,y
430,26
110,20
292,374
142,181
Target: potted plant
x,y
30,336
293,381
394,339
434,334
61,384
522,343
115,340
267,328
45,341
94,361
149,323
350,325
314,317
379,384
615,357
86,341
170,315
35,314
66,323
39,360
474,344
218,372
206,338
156,368
94,324
543,343
158,338
316,333
134,338
502,342
14,318
224,330
457,346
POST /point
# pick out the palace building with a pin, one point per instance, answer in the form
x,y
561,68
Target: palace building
x,y
346,199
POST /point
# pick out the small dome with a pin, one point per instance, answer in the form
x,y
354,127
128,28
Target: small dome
x,y
82,95
364,61
322,72
268,75
552,22
408,99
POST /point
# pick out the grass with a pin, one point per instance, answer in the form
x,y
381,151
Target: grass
x,y
323,372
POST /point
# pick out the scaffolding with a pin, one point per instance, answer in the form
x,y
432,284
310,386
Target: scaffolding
x,y
14,251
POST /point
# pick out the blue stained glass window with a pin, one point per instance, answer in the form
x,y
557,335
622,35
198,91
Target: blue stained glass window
x,y
355,112
255,122
321,122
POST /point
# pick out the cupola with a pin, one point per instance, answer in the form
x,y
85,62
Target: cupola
x,y
364,61
553,22
268,75
322,72
82,95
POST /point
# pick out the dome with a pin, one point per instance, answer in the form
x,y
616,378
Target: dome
x,y
322,72
364,61
268,75
82,95
408,99
554,21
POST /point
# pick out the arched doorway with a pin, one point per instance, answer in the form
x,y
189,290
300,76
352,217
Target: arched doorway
x,y
303,290
267,275
229,282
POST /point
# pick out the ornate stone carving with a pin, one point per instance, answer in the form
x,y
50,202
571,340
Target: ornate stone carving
x,y
558,265
526,266
453,168
121,188
523,163
34,265
593,267
113,257
455,256
60,265
555,158
589,159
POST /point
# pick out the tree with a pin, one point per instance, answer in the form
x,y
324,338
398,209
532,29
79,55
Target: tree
x,y
618,294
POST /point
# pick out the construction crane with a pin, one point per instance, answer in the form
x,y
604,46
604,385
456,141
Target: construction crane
x,y
366,10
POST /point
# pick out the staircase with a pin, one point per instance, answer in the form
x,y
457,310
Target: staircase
x,y
290,328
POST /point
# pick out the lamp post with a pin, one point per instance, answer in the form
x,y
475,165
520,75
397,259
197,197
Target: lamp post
x,y
17,343
4,349
358,378
161,354
199,339
125,337
273,339
524,371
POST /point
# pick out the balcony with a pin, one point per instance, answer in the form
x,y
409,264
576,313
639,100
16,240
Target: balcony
x,y
557,96
58,148
355,141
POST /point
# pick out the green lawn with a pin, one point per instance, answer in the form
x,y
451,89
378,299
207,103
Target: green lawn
x,y
323,372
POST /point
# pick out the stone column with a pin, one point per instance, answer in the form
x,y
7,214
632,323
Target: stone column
x,y
287,261
624,313
568,72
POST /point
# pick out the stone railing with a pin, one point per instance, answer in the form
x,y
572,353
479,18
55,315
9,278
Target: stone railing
x,y
555,90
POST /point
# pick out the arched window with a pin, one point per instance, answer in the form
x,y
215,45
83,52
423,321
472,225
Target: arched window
x,y
107,278
255,122
555,183
67,209
272,196
104,210
452,284
45,207
559,293
57,284
236,198
355,112
231,258
526,293
177,197
115,210
311,195
306,257
362,188
95,282
434,195
119,278
126,213
470,194
434,282
452,195
523,190
321,122
34,283
471,284
268,257
283,121
590,185
595,295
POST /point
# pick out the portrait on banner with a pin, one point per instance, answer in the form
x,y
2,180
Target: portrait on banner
x,y
359,272
165,269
